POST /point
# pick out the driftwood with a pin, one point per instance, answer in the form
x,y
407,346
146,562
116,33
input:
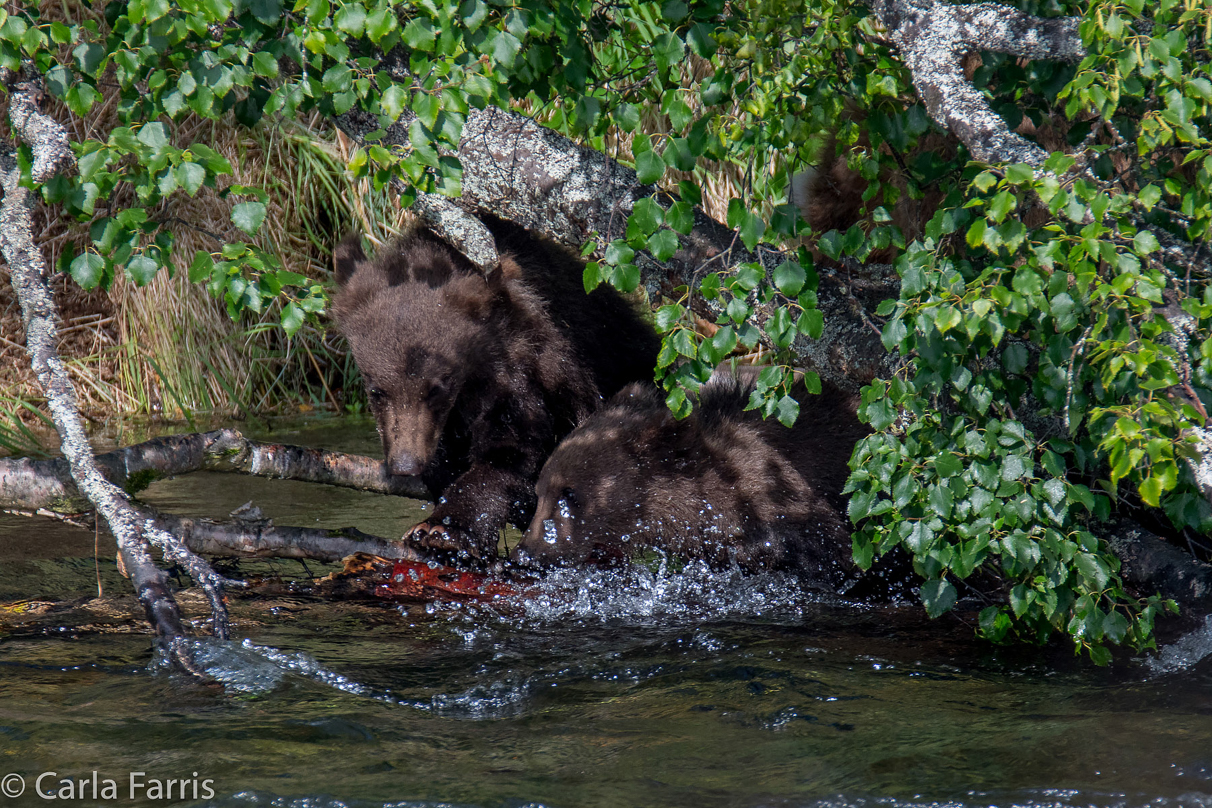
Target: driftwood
x,y
46,488
48,485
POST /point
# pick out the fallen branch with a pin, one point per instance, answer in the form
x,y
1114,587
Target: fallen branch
x,y
48,485
1149,563
252,537
130,527
260,538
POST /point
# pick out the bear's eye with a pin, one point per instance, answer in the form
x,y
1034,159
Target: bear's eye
x,y
436,394
376,394
569,496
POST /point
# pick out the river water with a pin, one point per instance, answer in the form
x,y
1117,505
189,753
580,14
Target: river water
x,y
644,688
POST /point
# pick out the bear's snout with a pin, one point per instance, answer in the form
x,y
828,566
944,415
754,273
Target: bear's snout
x,y
404,464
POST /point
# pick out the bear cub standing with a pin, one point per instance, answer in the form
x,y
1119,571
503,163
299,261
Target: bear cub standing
x,y
723,485
473,380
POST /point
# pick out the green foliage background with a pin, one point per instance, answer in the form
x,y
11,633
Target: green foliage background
x,y
1043,292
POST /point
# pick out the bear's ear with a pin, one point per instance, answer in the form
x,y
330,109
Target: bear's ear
x,y
507,270
474,295
348,257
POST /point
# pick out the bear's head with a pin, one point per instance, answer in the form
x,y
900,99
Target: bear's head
x,y
594,489
419,320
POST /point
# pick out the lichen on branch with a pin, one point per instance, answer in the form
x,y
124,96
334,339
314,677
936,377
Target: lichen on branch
x,y
935,36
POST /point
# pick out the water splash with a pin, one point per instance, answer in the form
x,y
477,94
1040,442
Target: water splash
x,y
1185,651
248,669
640,592
235,667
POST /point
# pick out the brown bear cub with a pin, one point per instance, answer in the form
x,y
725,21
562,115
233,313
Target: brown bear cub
x,y
473,380
723,485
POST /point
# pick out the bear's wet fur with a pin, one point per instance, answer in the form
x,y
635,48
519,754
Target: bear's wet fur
x,y
473,380
723,485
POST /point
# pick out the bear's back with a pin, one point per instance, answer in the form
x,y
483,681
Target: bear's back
x,y
607,332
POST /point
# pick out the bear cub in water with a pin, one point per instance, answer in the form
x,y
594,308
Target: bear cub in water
x,y
724,485
473,380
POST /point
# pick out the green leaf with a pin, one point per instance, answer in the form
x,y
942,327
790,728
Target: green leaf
x,y
752,228
591,278
264,64
984,181
202,267
1151,491
154,135
663,244
1145,243
248,216
674,10
626,278
701,40
89,56
667,317
811,323
88,269
381,22
667,50
269,11
141,269
789,277
938,596
420,35
680,216
627,116
393,102
788,411
191,176
646,216
948,464
618,253
505,48
337,78
1093,570
649,167
351,19
292,319
427,108
1019,174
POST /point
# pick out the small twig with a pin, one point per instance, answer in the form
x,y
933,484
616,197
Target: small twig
x,y
1077,349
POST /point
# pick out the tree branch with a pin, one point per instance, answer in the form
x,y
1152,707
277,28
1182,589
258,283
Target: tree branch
x,y
934,37
132,529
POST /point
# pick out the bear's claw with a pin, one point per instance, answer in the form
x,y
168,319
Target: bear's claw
x,y
441,537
